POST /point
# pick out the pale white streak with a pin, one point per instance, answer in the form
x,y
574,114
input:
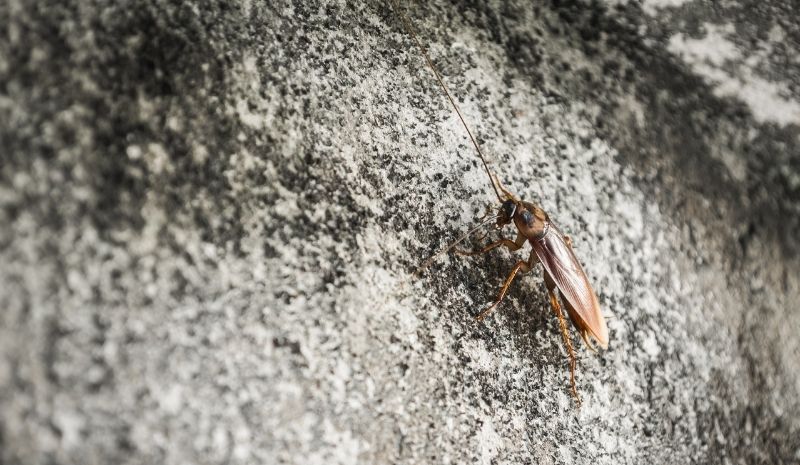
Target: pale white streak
x,y
717,59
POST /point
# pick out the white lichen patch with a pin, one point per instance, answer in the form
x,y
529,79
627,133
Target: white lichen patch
x,y
735,74
488,442
479,356
652,7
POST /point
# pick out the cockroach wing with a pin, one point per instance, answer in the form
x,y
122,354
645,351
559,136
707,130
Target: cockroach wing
x,y
563,266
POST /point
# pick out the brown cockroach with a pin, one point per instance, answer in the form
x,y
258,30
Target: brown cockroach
x,y
563,273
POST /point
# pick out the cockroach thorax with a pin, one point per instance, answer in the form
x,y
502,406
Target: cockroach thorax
x,y
530,220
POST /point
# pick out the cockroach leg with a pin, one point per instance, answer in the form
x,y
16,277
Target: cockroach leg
x,y
520,266
568,240
510,245
489,213
489,210
482,236
562,323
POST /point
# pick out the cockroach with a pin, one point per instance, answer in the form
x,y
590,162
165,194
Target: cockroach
x,y
563,274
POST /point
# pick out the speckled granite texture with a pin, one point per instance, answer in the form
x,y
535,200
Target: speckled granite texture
x,y
210,212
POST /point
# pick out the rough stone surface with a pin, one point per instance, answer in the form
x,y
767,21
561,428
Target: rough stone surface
x,y
210,212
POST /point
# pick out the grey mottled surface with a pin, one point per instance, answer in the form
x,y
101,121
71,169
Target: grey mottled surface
x,y
209,214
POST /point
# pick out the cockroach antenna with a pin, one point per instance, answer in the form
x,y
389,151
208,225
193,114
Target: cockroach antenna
x,y
412,32
452,246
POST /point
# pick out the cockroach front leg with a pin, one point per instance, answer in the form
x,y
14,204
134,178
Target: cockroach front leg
x,y
562,323
520,266
509,244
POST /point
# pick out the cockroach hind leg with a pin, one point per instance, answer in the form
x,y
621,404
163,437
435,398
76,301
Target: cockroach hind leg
x,y
562,323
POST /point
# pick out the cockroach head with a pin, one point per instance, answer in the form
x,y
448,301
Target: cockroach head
x,y
507,210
